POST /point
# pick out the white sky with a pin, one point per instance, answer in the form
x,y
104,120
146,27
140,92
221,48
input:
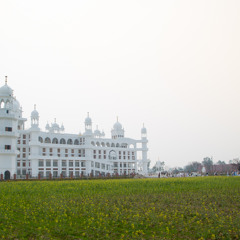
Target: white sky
x,y
174,65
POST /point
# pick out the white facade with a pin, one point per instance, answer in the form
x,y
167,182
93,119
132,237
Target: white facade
x,y
33,151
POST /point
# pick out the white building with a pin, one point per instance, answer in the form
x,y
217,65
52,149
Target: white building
x,y
33,151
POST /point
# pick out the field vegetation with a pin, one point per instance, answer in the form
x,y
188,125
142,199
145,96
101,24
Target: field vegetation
x,y
177,208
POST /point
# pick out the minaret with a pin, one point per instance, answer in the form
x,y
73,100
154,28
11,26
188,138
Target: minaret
x,y
34,118
88,126
34,143
88,134
144,150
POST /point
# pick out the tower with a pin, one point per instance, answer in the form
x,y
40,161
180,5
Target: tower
x,y
144,141
34,144
88,126
10,122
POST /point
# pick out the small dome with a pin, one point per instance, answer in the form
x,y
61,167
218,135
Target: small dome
x,y
47,126
34,113
16,104
97,132
117,126
144,130
5,90
88,120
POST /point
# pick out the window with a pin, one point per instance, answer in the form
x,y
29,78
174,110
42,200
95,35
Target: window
x,y
70,163
7,147
24,136
77,164
24,155
50,150
55,163
83,164
24,172
64,164
58,150
24,141
97,165
48,163
24,149
40,163
8,129
18,164
66,150
44,149
24,164
55,173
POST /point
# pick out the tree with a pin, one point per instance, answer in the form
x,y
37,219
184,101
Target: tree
x,y
220,162
192,167
207,163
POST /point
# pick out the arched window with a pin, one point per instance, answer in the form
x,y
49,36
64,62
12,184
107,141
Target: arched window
x,y
2,103
124,145
103,144
93,143
55,141
98,144
47,140
117,145
76,142
62,141
108,144
112,145
69,141
7,104
40,139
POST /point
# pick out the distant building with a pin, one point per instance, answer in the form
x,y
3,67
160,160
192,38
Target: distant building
x,y
33,151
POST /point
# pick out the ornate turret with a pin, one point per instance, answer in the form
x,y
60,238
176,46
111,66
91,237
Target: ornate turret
x,y
117,131
34,118
88,126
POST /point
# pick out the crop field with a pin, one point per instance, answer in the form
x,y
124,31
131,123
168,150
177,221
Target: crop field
x,y
177,208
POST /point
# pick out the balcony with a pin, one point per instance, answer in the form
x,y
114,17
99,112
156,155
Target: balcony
x,y
9,152
9,134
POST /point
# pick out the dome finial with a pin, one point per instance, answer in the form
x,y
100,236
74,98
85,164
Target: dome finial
x,y
6,80
34,106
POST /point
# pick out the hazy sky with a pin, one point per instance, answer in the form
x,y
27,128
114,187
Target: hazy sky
x,y
174,65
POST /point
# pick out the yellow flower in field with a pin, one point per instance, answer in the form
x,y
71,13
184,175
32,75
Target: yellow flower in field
x,y
213,236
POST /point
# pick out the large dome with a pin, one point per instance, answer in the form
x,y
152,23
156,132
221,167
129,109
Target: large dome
x,y
117,126
6,91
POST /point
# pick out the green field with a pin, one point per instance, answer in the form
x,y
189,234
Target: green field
x,y
189,208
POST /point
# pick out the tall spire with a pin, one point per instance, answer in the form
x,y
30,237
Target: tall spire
x,y
6,80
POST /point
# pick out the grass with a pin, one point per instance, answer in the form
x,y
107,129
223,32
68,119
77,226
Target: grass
x,y
178,208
